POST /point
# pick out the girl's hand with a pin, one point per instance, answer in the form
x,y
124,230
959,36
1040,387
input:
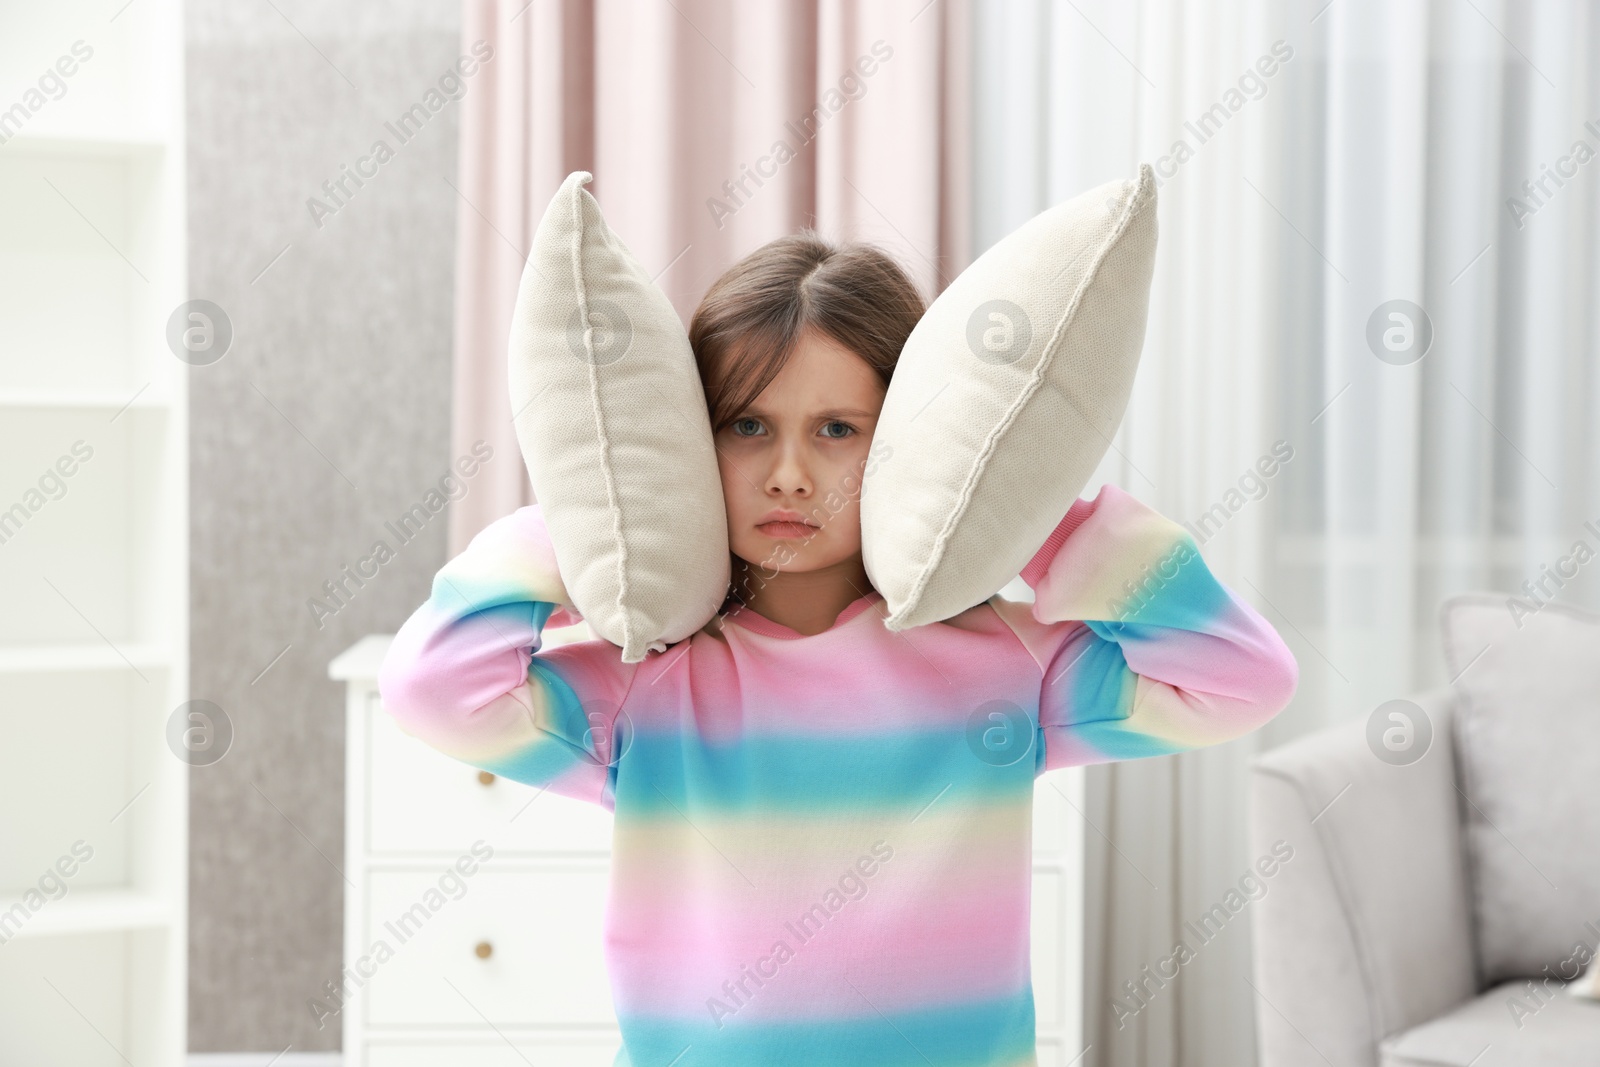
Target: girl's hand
x,y
1144,652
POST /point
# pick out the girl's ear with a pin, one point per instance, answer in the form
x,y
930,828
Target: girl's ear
x,y
1005,398
611,418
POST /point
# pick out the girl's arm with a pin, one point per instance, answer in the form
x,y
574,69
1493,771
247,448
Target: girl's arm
x,y
465,673
1145,652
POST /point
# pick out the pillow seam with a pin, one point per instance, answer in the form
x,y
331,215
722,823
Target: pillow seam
x,y
580,287
1036,379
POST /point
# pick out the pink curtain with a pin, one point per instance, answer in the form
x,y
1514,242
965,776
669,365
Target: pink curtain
x,y
711,127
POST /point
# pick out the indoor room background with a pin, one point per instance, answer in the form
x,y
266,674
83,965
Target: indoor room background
x,y
200,530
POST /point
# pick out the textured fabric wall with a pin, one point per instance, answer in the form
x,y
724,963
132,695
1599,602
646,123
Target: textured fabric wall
x,y
327,419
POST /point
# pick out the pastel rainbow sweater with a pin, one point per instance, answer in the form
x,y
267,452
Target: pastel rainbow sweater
x,y
822,844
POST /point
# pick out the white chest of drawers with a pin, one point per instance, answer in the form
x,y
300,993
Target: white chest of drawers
x,y
474,906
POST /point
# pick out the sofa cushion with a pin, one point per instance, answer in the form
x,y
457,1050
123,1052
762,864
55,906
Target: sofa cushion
x,y
1589,984
1528,746
1516,1024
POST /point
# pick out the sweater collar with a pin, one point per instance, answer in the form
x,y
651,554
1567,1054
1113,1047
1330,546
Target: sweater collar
x,y
760,624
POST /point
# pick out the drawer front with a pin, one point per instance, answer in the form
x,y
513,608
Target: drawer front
x,y
520,1052
1052,835
1049,948
421,800
521,947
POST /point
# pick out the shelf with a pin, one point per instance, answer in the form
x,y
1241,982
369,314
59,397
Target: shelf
x,y
84,399
92,513
85,267
84,143
93,910
36,659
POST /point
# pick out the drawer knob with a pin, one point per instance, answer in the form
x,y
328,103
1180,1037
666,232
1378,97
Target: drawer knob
x,y
484,950
485,778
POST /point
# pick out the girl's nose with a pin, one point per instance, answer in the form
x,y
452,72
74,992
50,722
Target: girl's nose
x,y
790,473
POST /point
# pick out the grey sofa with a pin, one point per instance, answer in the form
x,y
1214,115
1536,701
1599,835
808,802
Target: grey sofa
x,y
1435,902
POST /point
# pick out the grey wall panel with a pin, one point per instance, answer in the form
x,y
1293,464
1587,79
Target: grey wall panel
x,y
328,418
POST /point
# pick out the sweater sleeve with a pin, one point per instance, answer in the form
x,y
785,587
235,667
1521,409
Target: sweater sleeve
x,y
465,673
1146,652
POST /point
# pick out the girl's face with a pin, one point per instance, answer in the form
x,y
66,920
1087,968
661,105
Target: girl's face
x,y
798,453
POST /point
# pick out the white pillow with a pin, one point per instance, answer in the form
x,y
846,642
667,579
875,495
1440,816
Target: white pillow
x,y
1005,397
615,432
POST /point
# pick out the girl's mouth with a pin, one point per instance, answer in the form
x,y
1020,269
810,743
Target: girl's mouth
x,y
786,529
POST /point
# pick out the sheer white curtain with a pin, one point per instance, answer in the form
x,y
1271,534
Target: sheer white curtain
x,y
1382,159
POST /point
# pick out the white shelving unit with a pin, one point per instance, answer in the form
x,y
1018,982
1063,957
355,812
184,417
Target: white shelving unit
x,y
93,535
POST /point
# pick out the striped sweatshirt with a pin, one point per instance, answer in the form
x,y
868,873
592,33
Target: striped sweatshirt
x,y
821,849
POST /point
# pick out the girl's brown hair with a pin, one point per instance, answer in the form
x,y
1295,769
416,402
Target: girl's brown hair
x,y
749,321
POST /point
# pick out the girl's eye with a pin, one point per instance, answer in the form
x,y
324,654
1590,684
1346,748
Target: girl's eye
x,y
737,423
848,430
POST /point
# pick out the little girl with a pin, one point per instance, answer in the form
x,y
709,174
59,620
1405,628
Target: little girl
x,y
821,854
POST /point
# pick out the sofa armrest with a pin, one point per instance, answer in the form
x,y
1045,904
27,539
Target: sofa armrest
x,y
1365,932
